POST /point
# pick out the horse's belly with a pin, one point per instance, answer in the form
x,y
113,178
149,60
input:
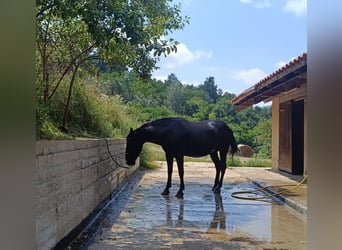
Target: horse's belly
x,y
196,151
196,154
193,146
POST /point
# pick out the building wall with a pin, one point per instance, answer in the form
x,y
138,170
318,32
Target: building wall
x,y
72,178
275,133
287,97
305,135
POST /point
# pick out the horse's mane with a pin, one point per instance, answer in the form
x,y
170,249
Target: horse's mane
x,y
167,119
143,129
149,125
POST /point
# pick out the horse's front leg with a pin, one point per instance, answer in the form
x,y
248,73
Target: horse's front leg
x,y
169,160
180,164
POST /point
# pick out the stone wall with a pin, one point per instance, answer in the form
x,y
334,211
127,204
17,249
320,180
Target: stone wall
x,y
72,178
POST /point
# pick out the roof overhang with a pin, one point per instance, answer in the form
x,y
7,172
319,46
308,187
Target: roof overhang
x,y
292,75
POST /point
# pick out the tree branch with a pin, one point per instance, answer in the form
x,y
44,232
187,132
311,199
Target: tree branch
x,y
66,108
68,69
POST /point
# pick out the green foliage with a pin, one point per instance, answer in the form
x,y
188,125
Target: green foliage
x,y
210,88
256,162
115,83
150,154
45,126
91,114
234,162
122,32
252,162
108,105
81,38
263,131
175,98
149,94
94,62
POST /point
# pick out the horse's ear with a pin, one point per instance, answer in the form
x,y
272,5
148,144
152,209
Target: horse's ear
x,y
131,131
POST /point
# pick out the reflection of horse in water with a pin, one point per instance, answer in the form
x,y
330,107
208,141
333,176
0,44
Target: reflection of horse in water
x,y
179,138
180,216
218,223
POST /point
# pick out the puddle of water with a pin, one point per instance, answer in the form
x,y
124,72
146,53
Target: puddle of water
x,y
150,219
215,214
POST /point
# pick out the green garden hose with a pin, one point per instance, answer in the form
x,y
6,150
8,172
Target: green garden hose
x,y
293,187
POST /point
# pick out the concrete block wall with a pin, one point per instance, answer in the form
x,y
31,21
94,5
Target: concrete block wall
x,y
72,178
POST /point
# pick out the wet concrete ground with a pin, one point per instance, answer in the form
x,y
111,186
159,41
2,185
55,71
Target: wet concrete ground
x,y
140,218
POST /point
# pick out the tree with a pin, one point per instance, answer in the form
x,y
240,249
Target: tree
x,y
194,98
263,132
175,98
172,79
117,83
124,34
223,109
210,87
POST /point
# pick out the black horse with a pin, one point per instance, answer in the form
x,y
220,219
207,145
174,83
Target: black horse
x,y
179,137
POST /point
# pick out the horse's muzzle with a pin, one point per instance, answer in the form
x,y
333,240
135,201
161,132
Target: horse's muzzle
x,y
130,163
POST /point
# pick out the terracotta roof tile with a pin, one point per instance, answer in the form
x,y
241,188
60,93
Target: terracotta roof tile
x,y
262,85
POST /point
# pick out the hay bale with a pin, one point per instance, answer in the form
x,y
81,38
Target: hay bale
x,y
245,151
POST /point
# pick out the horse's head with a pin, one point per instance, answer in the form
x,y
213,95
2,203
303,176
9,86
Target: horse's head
x,y
133,148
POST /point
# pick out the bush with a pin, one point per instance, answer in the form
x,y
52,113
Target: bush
x,y
46,128
253,162
90,114
150,154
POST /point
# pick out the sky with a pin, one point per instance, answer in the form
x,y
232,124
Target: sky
x,y
238,42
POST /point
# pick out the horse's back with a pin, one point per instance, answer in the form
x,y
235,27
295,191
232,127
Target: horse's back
x,y
193,138
181,127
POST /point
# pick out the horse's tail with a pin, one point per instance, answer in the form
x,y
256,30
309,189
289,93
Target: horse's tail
x,y
233,146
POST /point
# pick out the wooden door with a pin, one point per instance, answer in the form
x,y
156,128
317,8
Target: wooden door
x,y
298,137
285,140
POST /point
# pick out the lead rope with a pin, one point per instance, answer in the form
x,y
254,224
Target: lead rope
x,y
111,156
294,186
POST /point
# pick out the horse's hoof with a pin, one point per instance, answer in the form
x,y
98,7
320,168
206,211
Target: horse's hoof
x,y
216,190
165,192
214,187
180,195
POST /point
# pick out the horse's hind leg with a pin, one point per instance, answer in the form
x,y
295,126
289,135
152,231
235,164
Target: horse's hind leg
x,y
180,164
169,160
216,161
223,167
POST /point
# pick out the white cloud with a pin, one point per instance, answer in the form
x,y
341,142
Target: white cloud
x,y
258,3
183,56
250,76
279,64
298,7
160,78
191,83
164,78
